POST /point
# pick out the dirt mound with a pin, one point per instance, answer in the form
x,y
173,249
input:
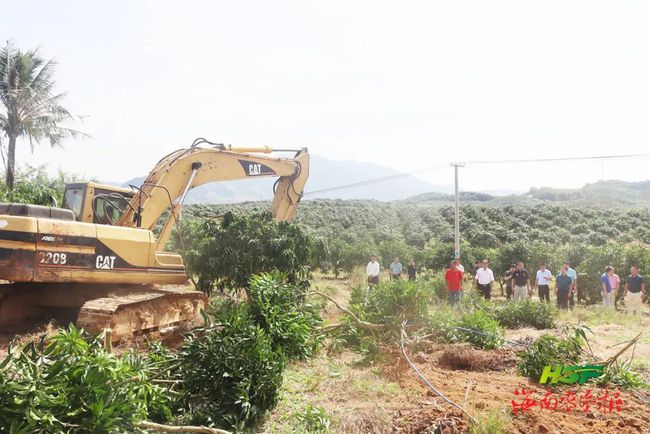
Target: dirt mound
x,y
470,359
427,418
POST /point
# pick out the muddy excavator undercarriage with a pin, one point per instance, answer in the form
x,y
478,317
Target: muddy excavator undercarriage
x,y
97,260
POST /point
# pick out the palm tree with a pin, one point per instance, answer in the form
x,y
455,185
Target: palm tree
x,y
29,106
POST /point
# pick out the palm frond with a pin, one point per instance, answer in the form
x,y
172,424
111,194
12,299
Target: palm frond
x,y
33,109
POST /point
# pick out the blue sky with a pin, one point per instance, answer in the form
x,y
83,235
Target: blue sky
x,y
402,84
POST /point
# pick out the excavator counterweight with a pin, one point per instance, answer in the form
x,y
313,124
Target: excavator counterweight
x,y
98,261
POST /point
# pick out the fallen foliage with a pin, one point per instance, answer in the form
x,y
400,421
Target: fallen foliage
x,y
70,383
550,350
526,313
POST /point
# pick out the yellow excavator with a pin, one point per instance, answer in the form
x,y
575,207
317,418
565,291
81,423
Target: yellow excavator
x,y
97,259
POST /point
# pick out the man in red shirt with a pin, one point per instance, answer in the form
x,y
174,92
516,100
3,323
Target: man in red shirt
x,y
454,278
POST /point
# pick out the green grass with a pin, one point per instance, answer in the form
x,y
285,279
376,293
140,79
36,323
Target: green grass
x,y
492,422
597,315
332,388
313,419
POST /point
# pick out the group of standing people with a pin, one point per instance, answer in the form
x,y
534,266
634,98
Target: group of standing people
x,y
518,285
518,282
395,270
634,289
519,288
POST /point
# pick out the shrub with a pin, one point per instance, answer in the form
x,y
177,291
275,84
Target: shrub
x,y
277,307
226,254
551,350
527,313
443,323
393,302
34,186
230,371
472,322
623,377
388,303
479,329
71,384
313,419
439,285
365,343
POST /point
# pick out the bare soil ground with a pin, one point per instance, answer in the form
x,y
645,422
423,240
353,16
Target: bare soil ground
x,y
495,390
388,397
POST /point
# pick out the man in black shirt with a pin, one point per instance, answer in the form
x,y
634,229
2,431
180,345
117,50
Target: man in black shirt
x,y
412,269
521,286
509,281
634,292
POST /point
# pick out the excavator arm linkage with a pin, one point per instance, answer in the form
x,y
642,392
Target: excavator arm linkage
x,y
177,173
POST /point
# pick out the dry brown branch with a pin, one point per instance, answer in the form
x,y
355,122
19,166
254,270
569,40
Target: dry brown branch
x,y
331,327
151,426
613,358
363,324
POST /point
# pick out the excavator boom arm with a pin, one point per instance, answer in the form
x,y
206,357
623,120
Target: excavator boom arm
x,y
174,175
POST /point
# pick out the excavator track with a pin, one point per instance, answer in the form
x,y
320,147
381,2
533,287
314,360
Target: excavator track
x,y
141,312
126,310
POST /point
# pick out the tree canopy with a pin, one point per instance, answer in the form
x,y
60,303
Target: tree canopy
x,y
29,105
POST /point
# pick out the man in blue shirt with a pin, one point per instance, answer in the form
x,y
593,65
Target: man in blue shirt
x,y
395,269
574,276
606,287
563,285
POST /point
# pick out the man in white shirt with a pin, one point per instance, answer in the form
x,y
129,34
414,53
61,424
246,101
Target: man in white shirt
x,y
459,266
372,270
484,278
542,281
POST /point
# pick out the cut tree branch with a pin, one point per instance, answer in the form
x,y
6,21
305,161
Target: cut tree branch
x,y
363,324
151,426
613,358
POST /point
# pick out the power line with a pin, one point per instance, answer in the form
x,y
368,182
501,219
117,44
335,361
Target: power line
x,y
476,162
548,160
380,179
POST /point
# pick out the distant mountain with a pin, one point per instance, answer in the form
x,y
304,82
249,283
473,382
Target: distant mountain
x,y
323,174
327,174
603,194
464,196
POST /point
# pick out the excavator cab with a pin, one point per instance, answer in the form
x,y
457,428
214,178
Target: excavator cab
x,y
92,202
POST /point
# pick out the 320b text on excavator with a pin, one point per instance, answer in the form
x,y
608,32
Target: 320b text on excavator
x,y
97,260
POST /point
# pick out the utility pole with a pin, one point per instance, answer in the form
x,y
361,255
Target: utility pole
x,y
456,165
